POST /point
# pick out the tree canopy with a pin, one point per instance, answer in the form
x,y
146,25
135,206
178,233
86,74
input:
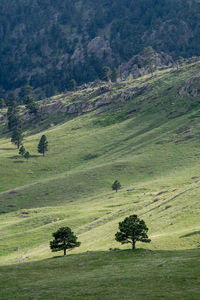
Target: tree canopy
x,y
64,239
116,185
43,145
132,229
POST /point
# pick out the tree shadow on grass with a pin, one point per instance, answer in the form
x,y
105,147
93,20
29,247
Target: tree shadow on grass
x,y
7,149
17,157
190,234
14,157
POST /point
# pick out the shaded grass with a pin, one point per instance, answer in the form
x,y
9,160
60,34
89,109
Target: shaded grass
x,y
106,275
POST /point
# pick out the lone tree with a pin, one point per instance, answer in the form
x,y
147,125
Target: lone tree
x,y
149,53
105,73
114,75
64,239
17,137
22,150
27,155
116,185
43,145
132,229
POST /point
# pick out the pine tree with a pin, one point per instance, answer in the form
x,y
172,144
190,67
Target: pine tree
x,y
13,117
148,60
64,239
43,145
116,185
105,73
2,103
17,137
33,108
22,150
132,229
72,85
28,98
114,75
27,155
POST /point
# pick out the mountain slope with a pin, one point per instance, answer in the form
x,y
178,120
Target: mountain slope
x,y
48,43
146,135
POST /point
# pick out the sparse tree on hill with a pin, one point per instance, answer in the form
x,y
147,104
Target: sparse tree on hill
x,y
148,60
27,155
114,75
43,145
14,120
116,185
17,137
105,73
2,103
132,229
64,239
27,94
28,98
22,150
11,100
33,108
72,85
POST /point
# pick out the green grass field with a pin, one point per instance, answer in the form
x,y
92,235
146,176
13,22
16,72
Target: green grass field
x,y
148,138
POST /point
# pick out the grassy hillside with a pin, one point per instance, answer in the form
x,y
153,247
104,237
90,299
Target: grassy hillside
x,y
106,275
147,137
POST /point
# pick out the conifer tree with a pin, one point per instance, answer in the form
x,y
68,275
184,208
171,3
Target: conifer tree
x,y
14,120
132,229
105,73
17,137
148,53
116,185
27,155
72,85
43,145
2,103
22,150
64,239
114,75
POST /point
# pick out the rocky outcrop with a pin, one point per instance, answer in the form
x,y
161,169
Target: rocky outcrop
x,y
191,87
136,68
101,49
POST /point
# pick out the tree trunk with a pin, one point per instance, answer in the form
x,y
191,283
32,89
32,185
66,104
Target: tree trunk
x,y
133,244
64,252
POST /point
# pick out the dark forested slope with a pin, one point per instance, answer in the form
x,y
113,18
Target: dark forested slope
x,y
46,43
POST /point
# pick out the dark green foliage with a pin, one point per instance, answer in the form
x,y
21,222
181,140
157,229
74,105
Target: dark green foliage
x,y
28,98
17,137
33,108
127,27
72,84
148,59
114,75
26,94
2,103
132,229
13,117
116,185
43,145
105,74
27,155
22,150
64,239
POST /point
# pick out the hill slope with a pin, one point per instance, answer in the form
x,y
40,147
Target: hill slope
x,y
146,135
